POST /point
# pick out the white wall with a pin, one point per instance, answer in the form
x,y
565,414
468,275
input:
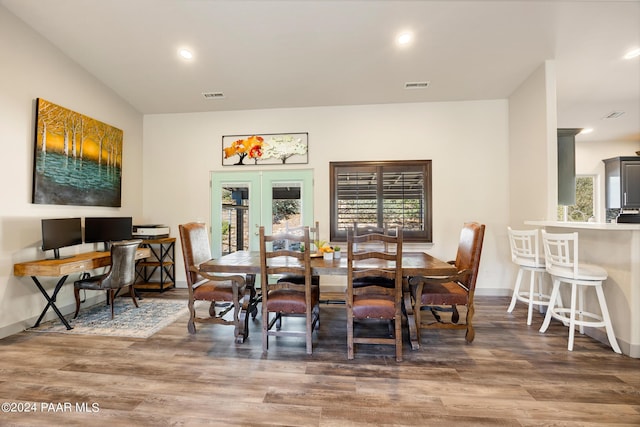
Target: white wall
x,y
532,148
33,68
467,142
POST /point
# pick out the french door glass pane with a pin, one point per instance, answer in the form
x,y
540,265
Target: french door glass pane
x,y
235,219
287,209
242,201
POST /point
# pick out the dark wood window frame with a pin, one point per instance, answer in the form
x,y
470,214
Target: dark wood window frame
x,y
375,183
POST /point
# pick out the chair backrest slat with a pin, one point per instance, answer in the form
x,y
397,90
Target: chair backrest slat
x,y
314,232
561,251
374,263
280,261
525,246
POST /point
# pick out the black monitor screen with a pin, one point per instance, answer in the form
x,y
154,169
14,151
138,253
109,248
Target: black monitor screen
x,y
59,233
107,229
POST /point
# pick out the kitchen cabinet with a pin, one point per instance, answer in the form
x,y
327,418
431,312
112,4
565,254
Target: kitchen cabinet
x,y
567,166
622,182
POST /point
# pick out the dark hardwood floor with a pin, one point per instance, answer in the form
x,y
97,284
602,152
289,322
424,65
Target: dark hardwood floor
x,y
510,376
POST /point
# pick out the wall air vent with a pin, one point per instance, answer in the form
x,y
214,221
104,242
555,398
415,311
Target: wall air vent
x,y
213,95
416,85
613,115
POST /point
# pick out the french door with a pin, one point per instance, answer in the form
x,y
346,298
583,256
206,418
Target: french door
x,y
243,201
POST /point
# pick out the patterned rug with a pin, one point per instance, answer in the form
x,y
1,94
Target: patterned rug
x,y
128,321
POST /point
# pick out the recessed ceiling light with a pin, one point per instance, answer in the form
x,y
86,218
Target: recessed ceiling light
x,y
404,38
632,54
185,54
585,131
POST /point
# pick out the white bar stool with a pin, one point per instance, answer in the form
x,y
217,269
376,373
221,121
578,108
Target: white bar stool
x,y
561,255
525,252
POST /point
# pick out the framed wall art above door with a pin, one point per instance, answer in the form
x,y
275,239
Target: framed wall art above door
x,y
265,149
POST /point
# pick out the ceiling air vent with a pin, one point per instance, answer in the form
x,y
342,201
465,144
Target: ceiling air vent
x,y
213,95
416,85
613,115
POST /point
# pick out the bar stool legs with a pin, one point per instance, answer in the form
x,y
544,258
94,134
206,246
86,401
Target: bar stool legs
x,y
526,255
532,297
574,317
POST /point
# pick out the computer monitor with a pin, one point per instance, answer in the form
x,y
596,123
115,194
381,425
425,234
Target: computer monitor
x,y
107,229
59,233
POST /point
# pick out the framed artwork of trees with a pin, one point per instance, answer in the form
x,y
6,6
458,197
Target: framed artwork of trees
x,y
77,159
265,149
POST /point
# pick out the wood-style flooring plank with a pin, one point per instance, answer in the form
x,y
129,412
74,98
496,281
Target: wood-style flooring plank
x,y
511,375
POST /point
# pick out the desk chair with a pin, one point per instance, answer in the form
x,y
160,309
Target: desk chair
x,y
374,301
448,292
121,273
561,254
285,298
525,253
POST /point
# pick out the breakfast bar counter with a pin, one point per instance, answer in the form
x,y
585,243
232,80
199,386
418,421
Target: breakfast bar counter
x,y
616,248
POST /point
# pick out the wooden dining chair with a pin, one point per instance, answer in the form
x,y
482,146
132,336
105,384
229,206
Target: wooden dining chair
x,y
362,230
447,293
374,301
314,235
286,298
228,292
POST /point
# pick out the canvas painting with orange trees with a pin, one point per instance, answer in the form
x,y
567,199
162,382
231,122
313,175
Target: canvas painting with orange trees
x,y
265,149
77,159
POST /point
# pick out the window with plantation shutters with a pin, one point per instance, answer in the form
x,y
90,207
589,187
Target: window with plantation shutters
x,y
381,194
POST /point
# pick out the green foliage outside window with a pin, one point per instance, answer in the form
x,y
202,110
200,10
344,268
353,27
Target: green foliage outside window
x,y
583,209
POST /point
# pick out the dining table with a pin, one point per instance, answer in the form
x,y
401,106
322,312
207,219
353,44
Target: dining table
x,y
413,264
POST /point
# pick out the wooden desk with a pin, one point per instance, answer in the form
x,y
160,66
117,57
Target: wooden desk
x,y
413,264
62,268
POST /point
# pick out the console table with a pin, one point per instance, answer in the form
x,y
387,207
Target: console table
x,y
62,268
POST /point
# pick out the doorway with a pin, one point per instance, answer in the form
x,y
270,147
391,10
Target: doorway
x,y
242,201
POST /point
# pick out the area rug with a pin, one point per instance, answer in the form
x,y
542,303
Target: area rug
x,y
150,317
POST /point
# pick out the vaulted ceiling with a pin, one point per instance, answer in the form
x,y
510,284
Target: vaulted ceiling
x,y
277,54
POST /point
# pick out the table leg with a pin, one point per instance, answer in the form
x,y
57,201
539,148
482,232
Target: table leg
x,y
411,318
51,301
250,279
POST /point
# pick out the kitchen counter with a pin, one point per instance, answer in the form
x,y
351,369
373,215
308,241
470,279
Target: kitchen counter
x,y
616,248
587,225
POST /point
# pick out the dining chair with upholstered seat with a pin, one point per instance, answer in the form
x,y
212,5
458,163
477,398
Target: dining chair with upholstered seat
x,y
121,274
526,254
314,236
229,292
362,230
447,293
564,267
285,298
374,301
